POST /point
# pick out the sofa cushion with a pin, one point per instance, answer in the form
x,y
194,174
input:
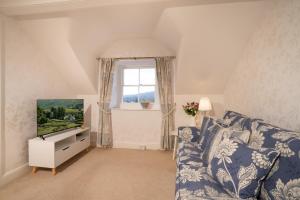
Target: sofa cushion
x,y
240,169
211,134
189,160
232,114
237,135
283,182
187,148
188,134
208,130
188,153
238,120
235,119
193,183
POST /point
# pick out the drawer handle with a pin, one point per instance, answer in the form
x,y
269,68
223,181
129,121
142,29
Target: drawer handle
x,y
65,148
82,139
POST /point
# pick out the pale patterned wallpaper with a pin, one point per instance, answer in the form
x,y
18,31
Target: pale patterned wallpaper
x,y
266,83
28,75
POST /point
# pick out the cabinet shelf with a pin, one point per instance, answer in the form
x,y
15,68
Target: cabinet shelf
x,y
64,143
81,136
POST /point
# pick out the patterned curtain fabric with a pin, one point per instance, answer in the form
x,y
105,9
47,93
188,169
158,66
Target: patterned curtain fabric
x,y
164,73
105,137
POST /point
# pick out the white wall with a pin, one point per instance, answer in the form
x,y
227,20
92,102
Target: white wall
x,y
266,82
90,102
53,39
2,166
132,129
29,75
140,47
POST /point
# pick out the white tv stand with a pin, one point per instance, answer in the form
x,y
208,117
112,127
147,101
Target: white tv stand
x,y
56,149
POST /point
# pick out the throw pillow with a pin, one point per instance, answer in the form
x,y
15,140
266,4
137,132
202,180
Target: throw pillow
x,y
240,169
208,130
212,132
283,182
238,120
231,133
230,114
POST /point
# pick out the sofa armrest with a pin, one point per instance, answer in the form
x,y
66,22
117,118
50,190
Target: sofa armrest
x,y
188,134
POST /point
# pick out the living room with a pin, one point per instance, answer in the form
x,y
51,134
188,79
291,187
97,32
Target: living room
x,y
141,93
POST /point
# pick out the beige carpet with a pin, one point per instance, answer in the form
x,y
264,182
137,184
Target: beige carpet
x,y
116,174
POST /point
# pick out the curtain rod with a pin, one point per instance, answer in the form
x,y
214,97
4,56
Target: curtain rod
x,y
135,58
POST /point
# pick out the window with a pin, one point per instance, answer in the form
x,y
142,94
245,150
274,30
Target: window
x,y
135,82
138,84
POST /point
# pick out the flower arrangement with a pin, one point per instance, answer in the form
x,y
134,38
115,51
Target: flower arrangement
x,y
191,108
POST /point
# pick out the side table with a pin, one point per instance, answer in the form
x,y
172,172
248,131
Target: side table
x,y
175,134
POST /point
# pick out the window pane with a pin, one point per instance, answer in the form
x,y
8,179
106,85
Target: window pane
x,y
147,93
130,94
131,77
147,76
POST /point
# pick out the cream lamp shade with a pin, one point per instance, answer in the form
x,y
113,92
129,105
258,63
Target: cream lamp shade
x,y
204,104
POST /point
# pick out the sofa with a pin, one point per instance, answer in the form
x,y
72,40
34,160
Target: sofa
x,y
237,157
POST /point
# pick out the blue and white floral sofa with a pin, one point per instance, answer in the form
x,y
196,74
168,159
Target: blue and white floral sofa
x,y
237,158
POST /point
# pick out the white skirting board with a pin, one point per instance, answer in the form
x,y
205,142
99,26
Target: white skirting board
x,y
13,174
137,146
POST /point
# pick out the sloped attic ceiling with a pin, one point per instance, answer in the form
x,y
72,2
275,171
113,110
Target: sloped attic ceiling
x,y
207,36
213,38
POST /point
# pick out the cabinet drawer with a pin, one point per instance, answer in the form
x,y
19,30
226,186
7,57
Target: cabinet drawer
x,y
82,144
63,154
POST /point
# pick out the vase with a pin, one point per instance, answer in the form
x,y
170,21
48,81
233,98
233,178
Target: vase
x,y
192,121
198,120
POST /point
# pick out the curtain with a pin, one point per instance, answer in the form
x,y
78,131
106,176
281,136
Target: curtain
x,y
164,73
105,137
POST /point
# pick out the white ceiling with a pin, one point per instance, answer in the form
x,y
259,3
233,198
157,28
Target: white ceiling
x,y
208,36
27,7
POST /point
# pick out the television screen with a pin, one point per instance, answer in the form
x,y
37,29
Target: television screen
x,y
55,115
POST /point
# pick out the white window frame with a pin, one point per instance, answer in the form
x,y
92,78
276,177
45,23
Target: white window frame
x,y
137,106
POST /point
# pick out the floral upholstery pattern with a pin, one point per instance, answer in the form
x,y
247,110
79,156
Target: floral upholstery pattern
x,y
240,169
187,150
197,180
188,153
208,130
188,134
283,182
212,132
238,121
193,183
192,179
230,133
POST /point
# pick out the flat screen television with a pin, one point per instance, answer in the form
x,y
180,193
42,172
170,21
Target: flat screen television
x,y
55,115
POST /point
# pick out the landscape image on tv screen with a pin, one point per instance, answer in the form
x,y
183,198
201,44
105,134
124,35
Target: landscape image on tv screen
x,y
55,115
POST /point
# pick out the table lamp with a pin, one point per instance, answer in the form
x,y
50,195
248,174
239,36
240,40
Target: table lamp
x,y
204,105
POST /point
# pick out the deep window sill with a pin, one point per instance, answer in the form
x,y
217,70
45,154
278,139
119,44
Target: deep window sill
x,y
137,107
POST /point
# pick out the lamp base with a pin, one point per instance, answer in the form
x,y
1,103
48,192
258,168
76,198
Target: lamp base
x,y
198,120
200,115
